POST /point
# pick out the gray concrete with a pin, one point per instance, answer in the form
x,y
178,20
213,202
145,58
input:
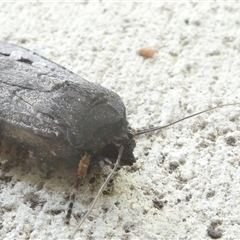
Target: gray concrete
x,y
196,66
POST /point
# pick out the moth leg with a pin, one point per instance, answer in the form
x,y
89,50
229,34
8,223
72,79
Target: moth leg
x,y
81,173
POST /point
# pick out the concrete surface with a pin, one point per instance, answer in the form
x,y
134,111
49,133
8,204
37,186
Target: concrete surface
x,y
190,170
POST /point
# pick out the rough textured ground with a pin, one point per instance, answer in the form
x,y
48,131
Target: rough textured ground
x,y
186,184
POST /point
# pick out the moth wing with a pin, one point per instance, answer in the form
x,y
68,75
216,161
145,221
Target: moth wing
x,y
40,97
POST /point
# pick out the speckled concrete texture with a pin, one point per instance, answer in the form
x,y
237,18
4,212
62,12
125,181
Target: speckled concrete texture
x,y
186,183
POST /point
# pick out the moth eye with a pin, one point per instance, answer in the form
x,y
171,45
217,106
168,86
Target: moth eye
x,y
130,133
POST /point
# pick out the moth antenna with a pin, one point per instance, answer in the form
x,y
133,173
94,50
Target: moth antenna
x,y
139,132
100,190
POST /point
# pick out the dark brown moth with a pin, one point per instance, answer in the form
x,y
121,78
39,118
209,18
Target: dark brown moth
x,y
56,117
55,114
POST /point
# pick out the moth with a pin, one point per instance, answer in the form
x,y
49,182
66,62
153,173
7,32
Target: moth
x,y
54,116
